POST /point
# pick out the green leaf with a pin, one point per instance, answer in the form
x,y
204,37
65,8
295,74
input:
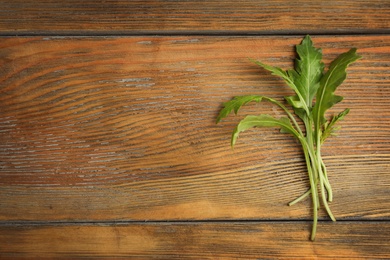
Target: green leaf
x,y
297,106
263,121
235,104
275,70
306,77
308,70
290,77
329,82
281,73
329,127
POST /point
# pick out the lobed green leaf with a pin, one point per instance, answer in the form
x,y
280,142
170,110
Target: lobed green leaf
x,y
263,121
281,73
329,127
308,70
235,104
275,70
306,77
329,82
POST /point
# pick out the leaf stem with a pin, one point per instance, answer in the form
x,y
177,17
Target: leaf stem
x,y
313,185
292,118
326,181
322,177
300,198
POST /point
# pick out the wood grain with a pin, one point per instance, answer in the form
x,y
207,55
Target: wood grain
x,y
189,17
109,147
111,128
250,240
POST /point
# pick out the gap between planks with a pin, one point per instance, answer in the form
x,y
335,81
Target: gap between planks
x,y
222,33
180,222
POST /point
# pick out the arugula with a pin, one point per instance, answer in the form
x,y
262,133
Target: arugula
x,y
314,94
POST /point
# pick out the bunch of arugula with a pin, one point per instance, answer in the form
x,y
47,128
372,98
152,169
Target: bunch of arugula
x,y
314,95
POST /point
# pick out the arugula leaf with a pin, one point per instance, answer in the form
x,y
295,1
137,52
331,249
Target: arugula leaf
x,y
263,121
275,71
329,83
306,76
329,127
288,77
308,70
235,104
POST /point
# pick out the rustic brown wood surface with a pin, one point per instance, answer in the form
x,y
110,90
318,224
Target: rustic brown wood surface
x,y
108,141
246,16
223,240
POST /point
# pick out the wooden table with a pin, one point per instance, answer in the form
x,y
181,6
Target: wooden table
x,y
108,141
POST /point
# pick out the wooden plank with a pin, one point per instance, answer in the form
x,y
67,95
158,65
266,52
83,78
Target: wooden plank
x,y
274,240
124,129
246,16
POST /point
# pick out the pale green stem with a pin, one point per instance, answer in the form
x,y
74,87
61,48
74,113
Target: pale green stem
x,y
310,172
292,118
310,161
315,204
309,136
326,182
300,198
321,177
310,147
314,166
